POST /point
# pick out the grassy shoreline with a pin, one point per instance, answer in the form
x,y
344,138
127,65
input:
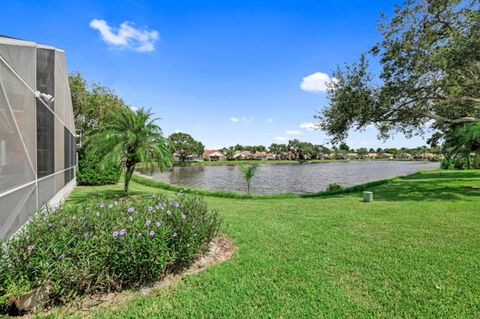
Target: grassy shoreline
x,y
261,162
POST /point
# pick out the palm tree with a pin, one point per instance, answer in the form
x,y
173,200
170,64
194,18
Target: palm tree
x,y
248,172
131,137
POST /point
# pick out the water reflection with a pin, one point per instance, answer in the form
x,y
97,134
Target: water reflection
x,y
290,178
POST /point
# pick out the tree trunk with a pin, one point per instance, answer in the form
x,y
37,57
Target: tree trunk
x,y
248,187
128,176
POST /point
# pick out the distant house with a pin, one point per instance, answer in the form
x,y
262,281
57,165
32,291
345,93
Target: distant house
x,y
191,157
386,156
347,155
425,156
372,155
243,155
404,156
271,156
213,155
260,155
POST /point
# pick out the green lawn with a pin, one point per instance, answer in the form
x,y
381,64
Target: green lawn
x,y
413,252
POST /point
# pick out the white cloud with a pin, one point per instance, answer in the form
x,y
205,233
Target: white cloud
x,y
293,132
241,119
127,36
316,82
308,126
269,121
280,138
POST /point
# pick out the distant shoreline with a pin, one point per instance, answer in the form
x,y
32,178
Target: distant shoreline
x,y
216,163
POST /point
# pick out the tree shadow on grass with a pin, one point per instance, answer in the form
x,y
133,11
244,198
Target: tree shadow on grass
x,y
430,186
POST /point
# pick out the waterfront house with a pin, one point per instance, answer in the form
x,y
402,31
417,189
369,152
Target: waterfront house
x,y
213,155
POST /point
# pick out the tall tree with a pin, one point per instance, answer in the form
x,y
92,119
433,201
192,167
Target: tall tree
x,y
130,138
185,145
430,57
92,104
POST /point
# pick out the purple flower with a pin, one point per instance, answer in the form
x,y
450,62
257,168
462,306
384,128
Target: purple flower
x,y
193,227
30,248
175,204
86,235
147,223
115,234
150,208
174,234
61,257
123,231
130,218
157,207
169,213
152,233
46,264
130,209
102,205
110,206
50,225
158,223
164,204
184,216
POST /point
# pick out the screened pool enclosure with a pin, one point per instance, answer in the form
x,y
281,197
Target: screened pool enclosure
x,y
37,131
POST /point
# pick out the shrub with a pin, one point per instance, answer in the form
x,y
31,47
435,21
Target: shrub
x,y
107,245
90,172
334,187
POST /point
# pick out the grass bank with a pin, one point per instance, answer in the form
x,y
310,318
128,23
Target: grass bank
x,y
225,194
413,252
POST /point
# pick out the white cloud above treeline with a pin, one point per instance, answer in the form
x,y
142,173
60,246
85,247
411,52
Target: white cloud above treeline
x,y
126,36
316,82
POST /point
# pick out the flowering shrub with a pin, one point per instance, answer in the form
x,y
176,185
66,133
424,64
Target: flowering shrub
x,y
107,245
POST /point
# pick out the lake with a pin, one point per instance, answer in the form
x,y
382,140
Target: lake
x,y
298,178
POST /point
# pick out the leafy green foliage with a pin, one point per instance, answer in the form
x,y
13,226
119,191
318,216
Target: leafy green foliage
x,y
462,146
129,138
92,103
91,172
334,187
429,54
106,245
184,145
248,172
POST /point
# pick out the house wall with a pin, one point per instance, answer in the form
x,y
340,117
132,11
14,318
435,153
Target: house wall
x,y
37,138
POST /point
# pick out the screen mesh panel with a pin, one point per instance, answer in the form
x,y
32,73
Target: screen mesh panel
x,y
60,90
59,146
46,72
45,140
36,145
22,103
46,190
16,208
15,169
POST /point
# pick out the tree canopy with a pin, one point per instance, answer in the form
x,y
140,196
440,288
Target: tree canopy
x,y
132,137
185,145
430,59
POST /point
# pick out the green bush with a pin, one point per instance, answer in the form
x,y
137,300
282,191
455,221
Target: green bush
x,y
334,187
90,172
107,245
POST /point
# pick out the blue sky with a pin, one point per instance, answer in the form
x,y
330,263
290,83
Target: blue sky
x,y
225,72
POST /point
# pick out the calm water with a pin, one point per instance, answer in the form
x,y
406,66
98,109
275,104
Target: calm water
x,y
290,178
